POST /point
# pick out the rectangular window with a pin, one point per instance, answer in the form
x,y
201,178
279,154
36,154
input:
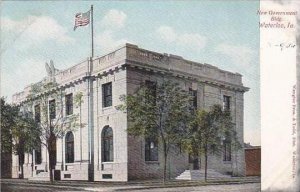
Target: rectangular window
x,y
151,149
107,94
226,102
38,155
106,176
151,92
52,109
194,103
227,151
67,176
37,113
69,104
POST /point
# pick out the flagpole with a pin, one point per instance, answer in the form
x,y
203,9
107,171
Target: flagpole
x,y
92,29
90,106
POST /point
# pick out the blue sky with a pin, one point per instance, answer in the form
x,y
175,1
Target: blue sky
x,y
224,34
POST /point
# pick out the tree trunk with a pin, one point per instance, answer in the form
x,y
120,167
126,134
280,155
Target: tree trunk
x,y
51,156
165,163
22,171
21,163
205,174
200,164
199,157
50,164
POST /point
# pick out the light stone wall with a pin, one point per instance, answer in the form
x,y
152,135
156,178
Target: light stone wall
x,y
177,160
214,95
127,67
79,169
208,95
15,166
117,120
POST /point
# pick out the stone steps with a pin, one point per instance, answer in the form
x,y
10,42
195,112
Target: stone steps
x,y
42,176
200,175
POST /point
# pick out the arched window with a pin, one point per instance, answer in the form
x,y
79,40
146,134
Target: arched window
x,y
107,144
69,147
151,149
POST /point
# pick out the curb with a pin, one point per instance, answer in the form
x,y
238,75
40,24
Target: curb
x,y
187,185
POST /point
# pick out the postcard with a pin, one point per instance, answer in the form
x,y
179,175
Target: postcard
x,y
150,95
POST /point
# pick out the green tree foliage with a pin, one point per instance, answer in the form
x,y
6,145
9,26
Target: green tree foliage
x,y
8,114
19,132
208,132
18,129
159,111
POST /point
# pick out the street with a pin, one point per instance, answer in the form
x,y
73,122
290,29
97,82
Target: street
x,y
16,185
250,187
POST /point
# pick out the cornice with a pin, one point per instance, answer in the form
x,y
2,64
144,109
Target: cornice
x,y
185,75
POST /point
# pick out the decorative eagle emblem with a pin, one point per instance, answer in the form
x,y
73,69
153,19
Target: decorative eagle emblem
x,y
51,70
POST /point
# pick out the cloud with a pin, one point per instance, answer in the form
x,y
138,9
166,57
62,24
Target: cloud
x,y
36,28
240,55
190,40
29,71
114,19
8,24
107,42
23,49
167,34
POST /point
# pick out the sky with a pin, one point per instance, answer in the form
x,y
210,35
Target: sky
x,y
221,33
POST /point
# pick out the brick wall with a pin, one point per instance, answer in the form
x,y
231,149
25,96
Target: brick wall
x,y
253,161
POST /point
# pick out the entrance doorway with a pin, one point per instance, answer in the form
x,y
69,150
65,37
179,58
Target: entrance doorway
x,y
194,162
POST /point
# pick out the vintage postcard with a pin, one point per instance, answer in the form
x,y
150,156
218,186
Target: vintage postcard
x,y
150,96
279,110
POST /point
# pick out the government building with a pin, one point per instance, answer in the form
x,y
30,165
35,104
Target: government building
x,y
100,149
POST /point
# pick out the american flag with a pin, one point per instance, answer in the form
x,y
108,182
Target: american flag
x,y
82,19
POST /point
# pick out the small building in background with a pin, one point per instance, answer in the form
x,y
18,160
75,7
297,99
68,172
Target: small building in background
x,y
253,160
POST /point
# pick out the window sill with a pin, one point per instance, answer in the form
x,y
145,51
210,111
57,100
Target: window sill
x,y
108,162
106,108
152,162
71,163
227,162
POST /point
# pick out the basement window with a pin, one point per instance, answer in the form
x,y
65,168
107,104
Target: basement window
x,y
106,176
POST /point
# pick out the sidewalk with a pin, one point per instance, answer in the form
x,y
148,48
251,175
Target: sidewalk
x,y
153,184
126,186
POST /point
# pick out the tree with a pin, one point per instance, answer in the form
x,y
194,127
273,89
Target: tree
x,y
53,124
209,131
26,136
19,132
158,111
78,102
8,114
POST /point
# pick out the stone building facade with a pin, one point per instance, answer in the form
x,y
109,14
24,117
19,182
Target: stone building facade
x,y
102,150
